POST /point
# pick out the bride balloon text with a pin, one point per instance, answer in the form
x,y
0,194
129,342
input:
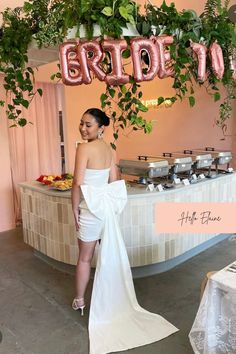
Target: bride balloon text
x,y
80,59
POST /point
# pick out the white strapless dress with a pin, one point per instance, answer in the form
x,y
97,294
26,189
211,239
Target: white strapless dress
x,y
116,321
90,226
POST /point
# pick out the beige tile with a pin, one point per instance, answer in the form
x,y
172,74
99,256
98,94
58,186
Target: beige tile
x,y
66,253
66,234
59,235
155,254
142,256
61,252
148,254
59,212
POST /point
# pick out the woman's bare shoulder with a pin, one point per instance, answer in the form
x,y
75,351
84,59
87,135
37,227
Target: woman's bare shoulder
x,y
82,147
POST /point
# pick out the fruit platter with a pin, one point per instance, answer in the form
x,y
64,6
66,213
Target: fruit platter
x,y
61,183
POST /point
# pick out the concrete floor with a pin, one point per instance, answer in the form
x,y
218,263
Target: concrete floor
x,y
35,299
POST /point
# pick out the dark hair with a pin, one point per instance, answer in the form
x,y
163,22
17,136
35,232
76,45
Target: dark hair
x,y
100,116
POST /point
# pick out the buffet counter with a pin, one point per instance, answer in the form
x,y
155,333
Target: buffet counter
x,y
48,223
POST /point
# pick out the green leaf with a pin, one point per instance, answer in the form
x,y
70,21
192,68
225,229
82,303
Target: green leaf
x,y
160,100
113,146
148,128
22,122
142,108
123,12
112,92
217,96
140,94
145,28
130,18
103,99
40,92
24,103
130,8
123,89
115,136
191,101
30,70
127,96
107,11
126,54
10,107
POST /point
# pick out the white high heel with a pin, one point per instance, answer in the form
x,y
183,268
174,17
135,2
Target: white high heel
x,y
76,305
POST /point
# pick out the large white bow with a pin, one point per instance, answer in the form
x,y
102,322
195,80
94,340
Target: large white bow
x,y
102,199
116,321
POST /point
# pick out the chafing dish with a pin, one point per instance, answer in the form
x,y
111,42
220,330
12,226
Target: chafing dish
x,y
145,167
220,157
201,160
178,164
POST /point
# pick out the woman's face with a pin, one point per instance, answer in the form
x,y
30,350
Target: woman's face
x,y
89,128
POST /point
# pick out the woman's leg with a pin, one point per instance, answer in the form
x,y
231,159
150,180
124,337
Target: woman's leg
x,y
86,251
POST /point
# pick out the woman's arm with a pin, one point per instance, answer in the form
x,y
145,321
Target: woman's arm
x,y
113,176
81,160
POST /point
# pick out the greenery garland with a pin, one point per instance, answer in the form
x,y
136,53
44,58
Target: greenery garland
x,y
47,22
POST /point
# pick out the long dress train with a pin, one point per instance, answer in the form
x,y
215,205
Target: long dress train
x,y
116,321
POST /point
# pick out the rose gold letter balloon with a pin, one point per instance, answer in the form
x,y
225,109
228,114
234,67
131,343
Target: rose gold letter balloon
x,y
90,56
137,45
164,55
233,68
217,60
115,48
200,51
70,66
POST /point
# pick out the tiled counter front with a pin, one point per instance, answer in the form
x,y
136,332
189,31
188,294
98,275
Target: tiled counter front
x,y
49,224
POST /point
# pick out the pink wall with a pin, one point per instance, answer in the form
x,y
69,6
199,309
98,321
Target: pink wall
x,y
176,128
6,198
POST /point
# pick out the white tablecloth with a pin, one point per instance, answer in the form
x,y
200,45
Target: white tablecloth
x,y
214,328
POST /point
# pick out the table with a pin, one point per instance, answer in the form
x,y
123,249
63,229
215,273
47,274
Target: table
x,y
214,328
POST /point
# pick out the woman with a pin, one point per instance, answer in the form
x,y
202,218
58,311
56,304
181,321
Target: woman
x,y
116,321
93,157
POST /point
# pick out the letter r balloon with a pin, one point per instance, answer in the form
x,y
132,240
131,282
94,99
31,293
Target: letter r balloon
x,y
115,48
90,63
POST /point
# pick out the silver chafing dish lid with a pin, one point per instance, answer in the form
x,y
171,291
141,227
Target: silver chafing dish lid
x,y
195,156
214,152
147,163
175,160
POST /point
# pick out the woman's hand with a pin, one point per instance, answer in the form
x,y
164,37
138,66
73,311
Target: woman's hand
x,y
76,216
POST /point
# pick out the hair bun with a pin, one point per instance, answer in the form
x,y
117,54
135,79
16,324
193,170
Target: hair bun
x,y
99,115
105,119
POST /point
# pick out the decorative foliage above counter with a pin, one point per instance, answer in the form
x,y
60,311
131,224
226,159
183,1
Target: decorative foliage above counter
x,y
49,22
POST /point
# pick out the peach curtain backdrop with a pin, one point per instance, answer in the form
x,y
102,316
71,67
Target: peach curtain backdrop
x,y
35,149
